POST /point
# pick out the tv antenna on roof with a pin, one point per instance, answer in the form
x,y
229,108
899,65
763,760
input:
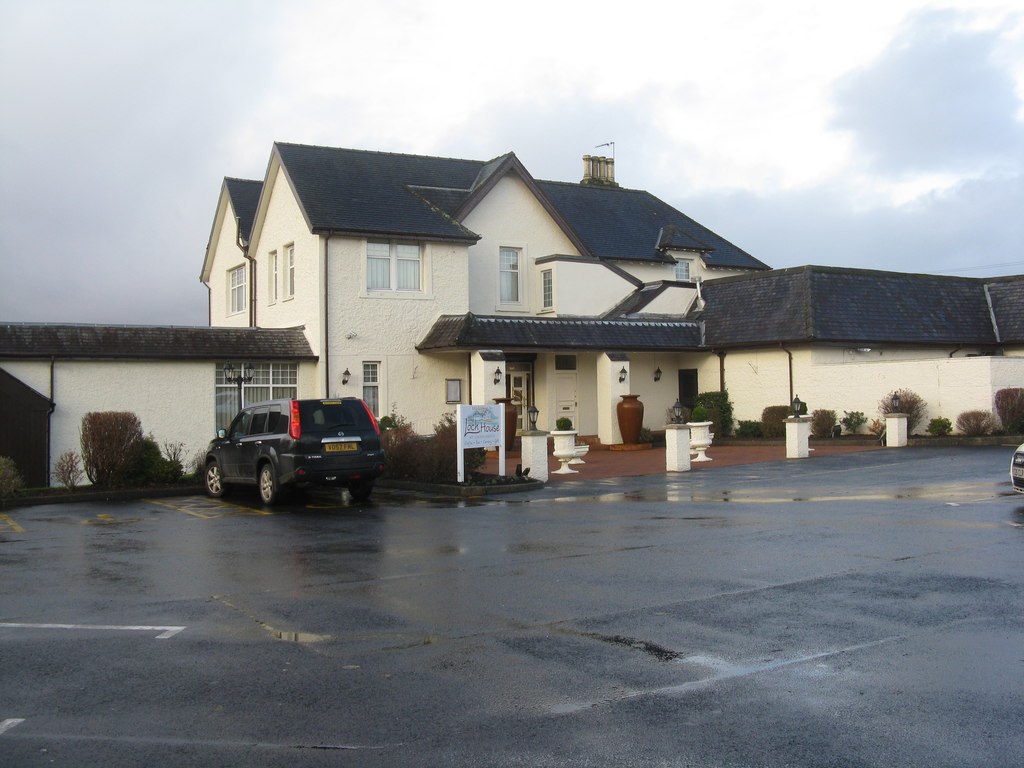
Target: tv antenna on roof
x,y
608,144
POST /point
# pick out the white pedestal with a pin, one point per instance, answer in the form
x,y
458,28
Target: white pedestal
x,y
535,454
798,436
895,430
677,448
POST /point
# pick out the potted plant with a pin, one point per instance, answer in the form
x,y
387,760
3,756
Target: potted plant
x,y
565,444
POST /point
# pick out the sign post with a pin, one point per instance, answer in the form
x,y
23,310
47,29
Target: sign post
x,y
480,426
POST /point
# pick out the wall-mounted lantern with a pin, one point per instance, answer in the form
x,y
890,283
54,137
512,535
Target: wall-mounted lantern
x,y
497,375
622,374
345,376
657,374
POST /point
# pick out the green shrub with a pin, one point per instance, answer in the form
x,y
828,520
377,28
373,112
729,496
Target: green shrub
x,y
911,404
852,421
430,459
700,413
939,427
749,429
773,421
563,424
111,442
68,470
10,478
153,468
1009,405
976,423
646,436
719,409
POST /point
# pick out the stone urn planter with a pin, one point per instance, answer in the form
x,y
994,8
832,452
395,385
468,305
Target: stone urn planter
x,y
564,450
700,439
511,414
630,413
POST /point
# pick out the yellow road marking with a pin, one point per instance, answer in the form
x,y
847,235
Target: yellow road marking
x,y
7,525
209,509
105,519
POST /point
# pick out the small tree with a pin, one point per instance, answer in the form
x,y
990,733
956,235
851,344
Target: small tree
x,y
976,423
911,404
822,423
68,469
1010,409
852,421
10,478
939,427
111,442
773,421
719,409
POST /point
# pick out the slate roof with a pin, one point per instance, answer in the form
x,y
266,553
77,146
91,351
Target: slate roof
x,y
628,224
470,331
245,197
831,304
348,190
44,340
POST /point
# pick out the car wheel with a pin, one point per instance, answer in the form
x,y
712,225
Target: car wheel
x,y
267,484
360,490
214,480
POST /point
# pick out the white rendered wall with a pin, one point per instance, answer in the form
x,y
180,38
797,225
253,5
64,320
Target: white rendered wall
x,y
225,256
510,216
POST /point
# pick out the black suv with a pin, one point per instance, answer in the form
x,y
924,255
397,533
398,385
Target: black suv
x,y
282,443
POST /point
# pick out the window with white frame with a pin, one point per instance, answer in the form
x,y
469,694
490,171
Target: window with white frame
x,y
270,381
289,271
236,290
683,270
272,277
371,386
547,289
393,266
508,274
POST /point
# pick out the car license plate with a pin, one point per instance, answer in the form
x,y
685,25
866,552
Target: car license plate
x,y
334,447
1018,472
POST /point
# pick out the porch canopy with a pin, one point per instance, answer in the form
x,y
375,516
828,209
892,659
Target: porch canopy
x,y
470,332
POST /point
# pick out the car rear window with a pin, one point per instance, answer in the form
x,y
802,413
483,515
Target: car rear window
x,y
333,414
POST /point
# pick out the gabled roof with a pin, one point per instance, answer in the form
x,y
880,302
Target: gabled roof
x,y
244,195
469,331
832,304
45,340
630,225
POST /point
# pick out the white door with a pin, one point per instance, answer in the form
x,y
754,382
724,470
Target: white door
x,y
565,396
519,391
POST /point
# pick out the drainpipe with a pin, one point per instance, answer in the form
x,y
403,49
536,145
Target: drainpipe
x,y
49,422
721,369
252,271
327,317
783,348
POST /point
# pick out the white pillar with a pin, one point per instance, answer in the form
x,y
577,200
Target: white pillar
x,y
677,448
609,389
798,435
483,364
895,430
535,454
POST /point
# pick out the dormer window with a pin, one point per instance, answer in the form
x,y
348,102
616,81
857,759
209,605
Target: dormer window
x,y
683,271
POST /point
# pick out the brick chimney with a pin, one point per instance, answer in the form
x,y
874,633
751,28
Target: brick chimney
x,y
599,171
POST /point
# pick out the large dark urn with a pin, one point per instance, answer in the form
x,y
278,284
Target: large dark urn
x,y
511,414
631,418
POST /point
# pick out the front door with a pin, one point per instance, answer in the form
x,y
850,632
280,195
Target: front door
x,y
566,404
688,387
519,389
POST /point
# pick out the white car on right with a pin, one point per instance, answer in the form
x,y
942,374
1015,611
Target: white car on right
x,y
1017,469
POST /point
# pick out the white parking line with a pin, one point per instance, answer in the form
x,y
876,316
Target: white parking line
x,y
165,632
6,725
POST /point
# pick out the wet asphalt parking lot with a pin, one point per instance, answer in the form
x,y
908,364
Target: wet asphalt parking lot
x,y
855,610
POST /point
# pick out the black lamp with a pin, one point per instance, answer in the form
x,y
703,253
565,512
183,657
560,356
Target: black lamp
x,y
896,402
345,376
246,375
657,374
622,374
531,414
497,375
797,406
677,412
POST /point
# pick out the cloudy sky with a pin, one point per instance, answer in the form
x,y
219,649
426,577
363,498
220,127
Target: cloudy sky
x,y
885,134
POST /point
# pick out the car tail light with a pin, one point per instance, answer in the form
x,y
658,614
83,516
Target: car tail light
x,y
294,425
373,419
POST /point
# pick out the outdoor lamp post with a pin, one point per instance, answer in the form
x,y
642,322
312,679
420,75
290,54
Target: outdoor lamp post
x,y
244,376
531,414
896,402
797,405
677,412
